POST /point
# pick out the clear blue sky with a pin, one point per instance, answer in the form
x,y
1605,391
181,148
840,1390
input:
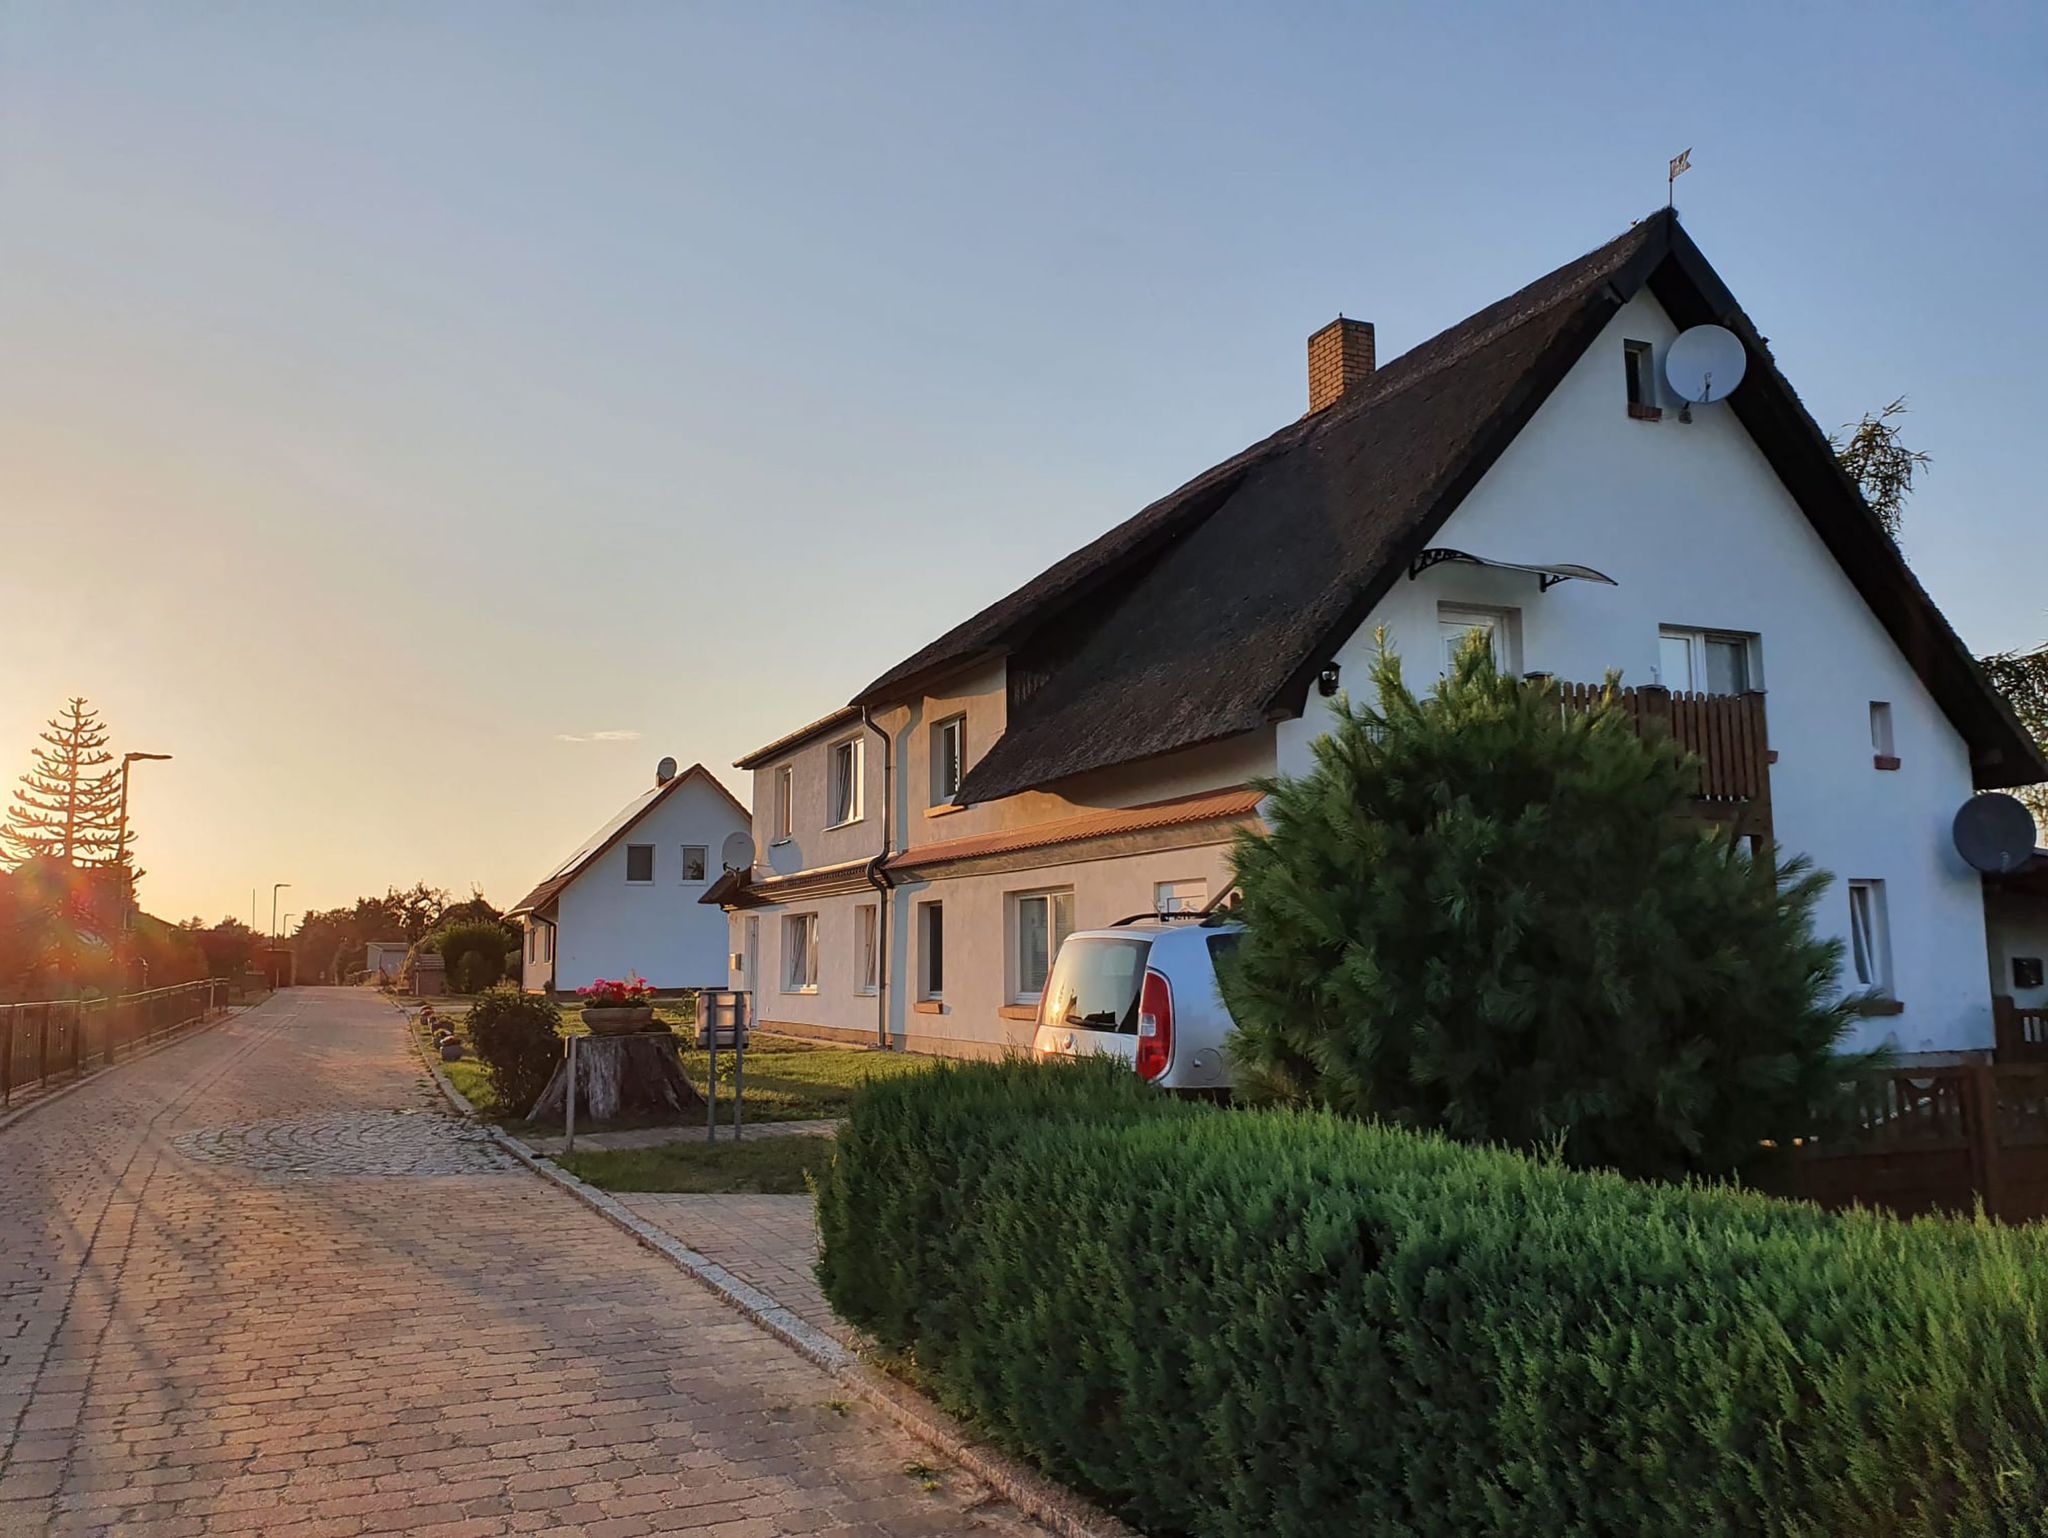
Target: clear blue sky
x,y
392,390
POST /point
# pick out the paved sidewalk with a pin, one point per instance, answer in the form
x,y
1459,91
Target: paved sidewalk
x,y
768,1241
261,1283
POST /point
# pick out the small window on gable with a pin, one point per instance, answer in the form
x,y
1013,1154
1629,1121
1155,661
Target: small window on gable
x,y
695,858
640,863
1883,750
1639,363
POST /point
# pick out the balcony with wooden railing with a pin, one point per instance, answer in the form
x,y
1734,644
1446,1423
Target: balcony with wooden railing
x,y
1725,733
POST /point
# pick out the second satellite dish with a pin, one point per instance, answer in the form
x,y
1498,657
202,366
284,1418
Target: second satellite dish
x,y
1995,833
737,853
1705,364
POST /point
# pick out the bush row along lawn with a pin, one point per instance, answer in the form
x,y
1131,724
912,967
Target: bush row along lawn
x,y
1229,1323
787,1079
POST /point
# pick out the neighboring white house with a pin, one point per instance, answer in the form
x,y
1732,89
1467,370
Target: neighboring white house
x,y
386,957
627,900
1081,750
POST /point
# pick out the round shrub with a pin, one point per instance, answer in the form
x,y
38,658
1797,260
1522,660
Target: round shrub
x,y
518,1039
474,953
1486,914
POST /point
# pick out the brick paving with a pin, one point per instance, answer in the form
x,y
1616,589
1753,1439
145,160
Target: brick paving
x,y
770,1241
261,1284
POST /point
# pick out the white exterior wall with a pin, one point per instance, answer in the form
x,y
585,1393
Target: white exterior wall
x,y
607,927
1694,526
2019,927
536,955
980,981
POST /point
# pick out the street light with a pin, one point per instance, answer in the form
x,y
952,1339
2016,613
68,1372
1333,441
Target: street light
x,y
279,887
121,835
287,929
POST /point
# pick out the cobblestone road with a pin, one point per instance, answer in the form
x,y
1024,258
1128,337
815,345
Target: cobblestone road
x,y
260,1283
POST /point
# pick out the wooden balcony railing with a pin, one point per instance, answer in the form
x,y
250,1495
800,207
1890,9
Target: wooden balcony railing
x,y
1725,732
2021,1033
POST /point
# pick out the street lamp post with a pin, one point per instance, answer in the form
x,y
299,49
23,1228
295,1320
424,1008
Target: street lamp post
x,y
121,835
279,887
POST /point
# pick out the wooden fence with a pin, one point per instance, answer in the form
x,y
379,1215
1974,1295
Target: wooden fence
x,y
1936,1140
57,1038
1726,732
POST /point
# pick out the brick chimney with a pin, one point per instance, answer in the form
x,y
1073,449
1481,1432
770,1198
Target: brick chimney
x,y
1339,361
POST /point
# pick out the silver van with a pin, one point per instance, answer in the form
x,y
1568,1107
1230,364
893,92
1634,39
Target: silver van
x,y
1145,992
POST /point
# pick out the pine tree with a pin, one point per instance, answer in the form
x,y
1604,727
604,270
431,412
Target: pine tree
x,y
68,805
1485,914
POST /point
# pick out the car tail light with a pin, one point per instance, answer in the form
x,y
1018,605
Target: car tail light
x,y
1155,1026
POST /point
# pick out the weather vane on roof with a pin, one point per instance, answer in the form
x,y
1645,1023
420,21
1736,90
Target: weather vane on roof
x,y
1680,164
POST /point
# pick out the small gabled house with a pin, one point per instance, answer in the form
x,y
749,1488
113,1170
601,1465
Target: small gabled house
x,y
627,900
1082,749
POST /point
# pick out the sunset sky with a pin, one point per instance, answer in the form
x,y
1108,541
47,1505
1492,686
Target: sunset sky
x,y
418,418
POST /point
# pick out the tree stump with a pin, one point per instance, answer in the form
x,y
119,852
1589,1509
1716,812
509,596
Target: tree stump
x,y
640,1074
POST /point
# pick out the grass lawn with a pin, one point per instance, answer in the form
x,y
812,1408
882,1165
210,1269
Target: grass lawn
x,y
773,1166
787,1080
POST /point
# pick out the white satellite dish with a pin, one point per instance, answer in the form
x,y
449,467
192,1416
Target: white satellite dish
x,y
1705,364
664,771
737,853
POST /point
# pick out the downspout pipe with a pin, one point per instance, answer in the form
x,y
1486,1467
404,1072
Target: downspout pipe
x,y
878,878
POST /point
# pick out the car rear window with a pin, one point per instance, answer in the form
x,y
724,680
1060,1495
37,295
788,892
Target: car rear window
x,y
1095,984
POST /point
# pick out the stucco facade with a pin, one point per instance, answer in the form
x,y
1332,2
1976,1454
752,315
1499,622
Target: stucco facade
x,y
1698,532
1703,541
631,905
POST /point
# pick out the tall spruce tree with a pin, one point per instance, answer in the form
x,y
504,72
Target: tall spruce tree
x,y
67,806
1486,914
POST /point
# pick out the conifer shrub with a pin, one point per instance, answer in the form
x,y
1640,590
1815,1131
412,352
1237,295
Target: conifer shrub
x,y
1228,1323
1486,914
473,952
518,1039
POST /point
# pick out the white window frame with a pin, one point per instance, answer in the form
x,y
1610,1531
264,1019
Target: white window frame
x,y
1883,734
1695,640
930,989
1870,940
867,953
785,803
1161,891
1053,900
703,854
1503,628
547,943
652,866
800,953
852,752
955,727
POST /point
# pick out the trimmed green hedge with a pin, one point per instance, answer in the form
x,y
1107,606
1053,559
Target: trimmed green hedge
x,y
1272,1323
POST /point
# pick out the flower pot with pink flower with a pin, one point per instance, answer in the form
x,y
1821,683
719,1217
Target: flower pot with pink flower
x,y
618,1008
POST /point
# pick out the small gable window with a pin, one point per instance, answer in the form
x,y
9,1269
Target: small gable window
x,y
1639,365
1883,748
640,863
